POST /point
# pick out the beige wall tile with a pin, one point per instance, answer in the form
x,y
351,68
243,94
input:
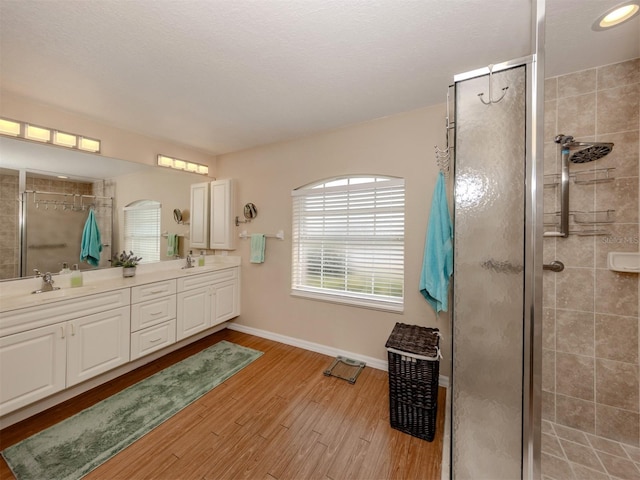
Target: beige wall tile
x,y
617,338
620,195
624,156
617,424
548,370
618,109
576,115
574,376
550,89
577,83
550,121
548,289
576,436
549,328
575,332
616,293
584,473
576,250
576,413
623,73
551,445
617,384
549,406
575,289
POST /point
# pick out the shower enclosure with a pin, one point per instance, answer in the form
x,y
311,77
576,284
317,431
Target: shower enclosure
x,y
496,317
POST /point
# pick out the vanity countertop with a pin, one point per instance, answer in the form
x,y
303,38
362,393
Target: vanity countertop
x,y
16,294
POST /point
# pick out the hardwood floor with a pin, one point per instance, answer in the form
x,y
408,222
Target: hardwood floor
x,y
278,418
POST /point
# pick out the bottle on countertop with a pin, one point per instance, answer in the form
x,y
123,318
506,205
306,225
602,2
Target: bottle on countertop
x,y
201,260
65,276
76,276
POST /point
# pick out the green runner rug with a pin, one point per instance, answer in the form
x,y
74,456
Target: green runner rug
x,y
74,447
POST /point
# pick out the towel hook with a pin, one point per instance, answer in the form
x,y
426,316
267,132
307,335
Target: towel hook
x,y
491,100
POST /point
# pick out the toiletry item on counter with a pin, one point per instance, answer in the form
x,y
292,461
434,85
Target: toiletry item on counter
x,y
201,259
65,276
76,276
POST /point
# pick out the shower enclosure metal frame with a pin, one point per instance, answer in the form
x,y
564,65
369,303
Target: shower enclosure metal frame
x,y
532,299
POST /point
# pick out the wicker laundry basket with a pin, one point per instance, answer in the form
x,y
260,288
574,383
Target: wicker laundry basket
x,y
414,366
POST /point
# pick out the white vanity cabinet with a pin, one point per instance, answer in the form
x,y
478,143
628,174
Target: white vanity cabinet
x,y
207,300
153,317
45,350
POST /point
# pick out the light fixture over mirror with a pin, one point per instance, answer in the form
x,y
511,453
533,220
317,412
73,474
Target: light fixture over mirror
x,y
176,163
40,134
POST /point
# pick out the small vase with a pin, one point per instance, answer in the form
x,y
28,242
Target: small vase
x,y
128,271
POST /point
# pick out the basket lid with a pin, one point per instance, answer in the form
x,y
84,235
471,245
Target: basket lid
x,y
414,339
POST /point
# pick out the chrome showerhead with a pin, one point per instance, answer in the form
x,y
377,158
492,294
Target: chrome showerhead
x,y
592,151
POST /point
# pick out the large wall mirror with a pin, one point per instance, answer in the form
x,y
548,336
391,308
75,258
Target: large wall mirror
x,y
47,192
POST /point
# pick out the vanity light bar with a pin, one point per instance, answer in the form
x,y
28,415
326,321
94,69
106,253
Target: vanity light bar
x,y
36,133
177,164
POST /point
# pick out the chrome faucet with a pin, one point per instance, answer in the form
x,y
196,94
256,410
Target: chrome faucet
x,y
47,282
188,261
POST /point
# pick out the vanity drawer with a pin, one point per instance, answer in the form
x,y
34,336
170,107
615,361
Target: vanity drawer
x,y
206,279
39,316
142,293
152,339
152,312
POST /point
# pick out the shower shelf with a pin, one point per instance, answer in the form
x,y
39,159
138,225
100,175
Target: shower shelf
x,y
596,217
586,177
590,232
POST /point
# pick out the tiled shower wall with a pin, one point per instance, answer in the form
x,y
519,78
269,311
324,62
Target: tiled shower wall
x,y
590,332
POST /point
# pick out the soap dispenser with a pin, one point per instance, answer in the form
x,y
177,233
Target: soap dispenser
x,y
65,275
201,260
76,276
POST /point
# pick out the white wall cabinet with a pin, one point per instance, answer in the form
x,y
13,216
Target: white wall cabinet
x,y
39,362
222,233
199,216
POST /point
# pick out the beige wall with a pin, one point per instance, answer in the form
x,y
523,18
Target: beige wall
x,y
116,143
400,146
591,348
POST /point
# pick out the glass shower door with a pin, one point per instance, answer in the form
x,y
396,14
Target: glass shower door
x,y
489,324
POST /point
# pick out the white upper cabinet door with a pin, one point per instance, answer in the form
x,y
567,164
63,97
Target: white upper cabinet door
x,y
222,234
199,223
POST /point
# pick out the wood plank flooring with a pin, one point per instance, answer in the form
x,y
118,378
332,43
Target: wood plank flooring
x,y
278,418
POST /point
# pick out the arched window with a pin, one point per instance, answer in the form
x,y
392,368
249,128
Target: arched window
x,y
348,241
142,229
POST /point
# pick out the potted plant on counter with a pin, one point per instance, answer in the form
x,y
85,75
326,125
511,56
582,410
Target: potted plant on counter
x,y
128,262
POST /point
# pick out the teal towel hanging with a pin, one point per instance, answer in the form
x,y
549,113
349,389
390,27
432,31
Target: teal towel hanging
x,y
91,245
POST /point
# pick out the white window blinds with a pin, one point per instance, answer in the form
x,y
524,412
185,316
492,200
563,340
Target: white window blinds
x,y
142,230
348,241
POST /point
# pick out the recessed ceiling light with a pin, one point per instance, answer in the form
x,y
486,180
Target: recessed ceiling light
x,y
616,15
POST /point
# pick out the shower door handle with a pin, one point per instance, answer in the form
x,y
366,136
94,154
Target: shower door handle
x,y
555,266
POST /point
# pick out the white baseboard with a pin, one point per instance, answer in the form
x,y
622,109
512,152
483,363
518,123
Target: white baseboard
x,y
376,363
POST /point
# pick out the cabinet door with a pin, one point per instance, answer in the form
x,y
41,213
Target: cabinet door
x,y
226,301
97,343
199,222
222,235
32,366
194,311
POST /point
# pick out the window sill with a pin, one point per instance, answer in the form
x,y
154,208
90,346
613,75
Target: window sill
x,y
351,301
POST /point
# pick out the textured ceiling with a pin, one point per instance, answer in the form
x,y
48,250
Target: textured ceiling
x,y
223,75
